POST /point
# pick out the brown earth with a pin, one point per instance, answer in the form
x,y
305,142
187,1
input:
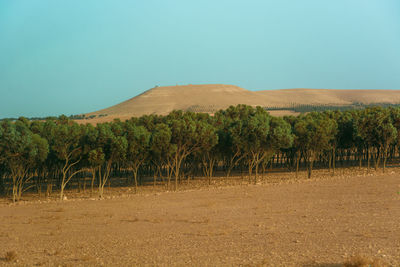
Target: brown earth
x,y
212,97
279,222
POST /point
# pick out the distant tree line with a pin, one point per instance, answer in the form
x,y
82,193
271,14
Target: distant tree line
x,y
48,155
72,117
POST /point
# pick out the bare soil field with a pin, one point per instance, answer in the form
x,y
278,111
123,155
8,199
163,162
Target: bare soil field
x,y
286,222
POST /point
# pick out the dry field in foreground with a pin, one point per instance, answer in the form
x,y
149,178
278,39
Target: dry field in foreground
x,y
320,222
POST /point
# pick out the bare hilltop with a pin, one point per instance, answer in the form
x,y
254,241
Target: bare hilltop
x,y
212,97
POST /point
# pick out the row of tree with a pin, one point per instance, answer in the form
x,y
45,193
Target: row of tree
x,y
44,154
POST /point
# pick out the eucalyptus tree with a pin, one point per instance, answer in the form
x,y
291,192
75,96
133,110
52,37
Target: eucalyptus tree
x,y
67,142
150,122
138,139
376,128
208,152
264,136
162,151
254,136
280,137
314,134
111,147
188,134
347,135
147,121
232,124
24,121
93,155
20,150
395,115
96,158
293,151
52,166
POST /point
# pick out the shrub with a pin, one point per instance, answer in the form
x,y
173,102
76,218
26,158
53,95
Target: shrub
x,y
363,261
10,256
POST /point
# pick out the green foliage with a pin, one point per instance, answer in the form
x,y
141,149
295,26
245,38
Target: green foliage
x,y
161,147
138,140
315,133
280,135
376,127
111,141
184,142
20,150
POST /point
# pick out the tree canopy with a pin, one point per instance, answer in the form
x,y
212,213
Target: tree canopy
x,y
181,145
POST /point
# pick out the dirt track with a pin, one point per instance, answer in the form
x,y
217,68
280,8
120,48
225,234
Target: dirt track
x,y
291,224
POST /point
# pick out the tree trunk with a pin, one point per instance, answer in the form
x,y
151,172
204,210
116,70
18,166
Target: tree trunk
x,y
14,191
176,177
66,171
310,169
93,178
333,161
100,190
62,187
233,162
377,158
263,170
310,164
384,158
104,177
135,179
169,174
256,174
330,161
210,170
250,170
2,189
297,163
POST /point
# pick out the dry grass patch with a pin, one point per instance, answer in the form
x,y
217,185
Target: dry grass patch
x,y
60,209
87,258
10,256
142,220
54,252
130,220
203,221
364,261
321,265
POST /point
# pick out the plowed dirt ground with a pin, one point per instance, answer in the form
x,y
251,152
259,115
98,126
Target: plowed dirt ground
x,y
317,222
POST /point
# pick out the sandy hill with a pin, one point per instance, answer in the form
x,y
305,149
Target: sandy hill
x,y
212,97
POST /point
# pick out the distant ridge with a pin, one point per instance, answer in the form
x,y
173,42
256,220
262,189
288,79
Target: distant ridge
x,y
212,97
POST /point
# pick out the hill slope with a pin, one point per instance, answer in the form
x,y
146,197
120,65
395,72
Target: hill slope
x,y
212,97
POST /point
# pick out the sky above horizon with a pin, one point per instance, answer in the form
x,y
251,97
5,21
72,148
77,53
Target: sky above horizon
x,y
72,57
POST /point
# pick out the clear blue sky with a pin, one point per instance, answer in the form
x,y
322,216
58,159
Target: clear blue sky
x,y
78,56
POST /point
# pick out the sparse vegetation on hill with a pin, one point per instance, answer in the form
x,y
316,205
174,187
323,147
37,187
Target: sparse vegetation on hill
x,y
167,149
209,98
304,108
